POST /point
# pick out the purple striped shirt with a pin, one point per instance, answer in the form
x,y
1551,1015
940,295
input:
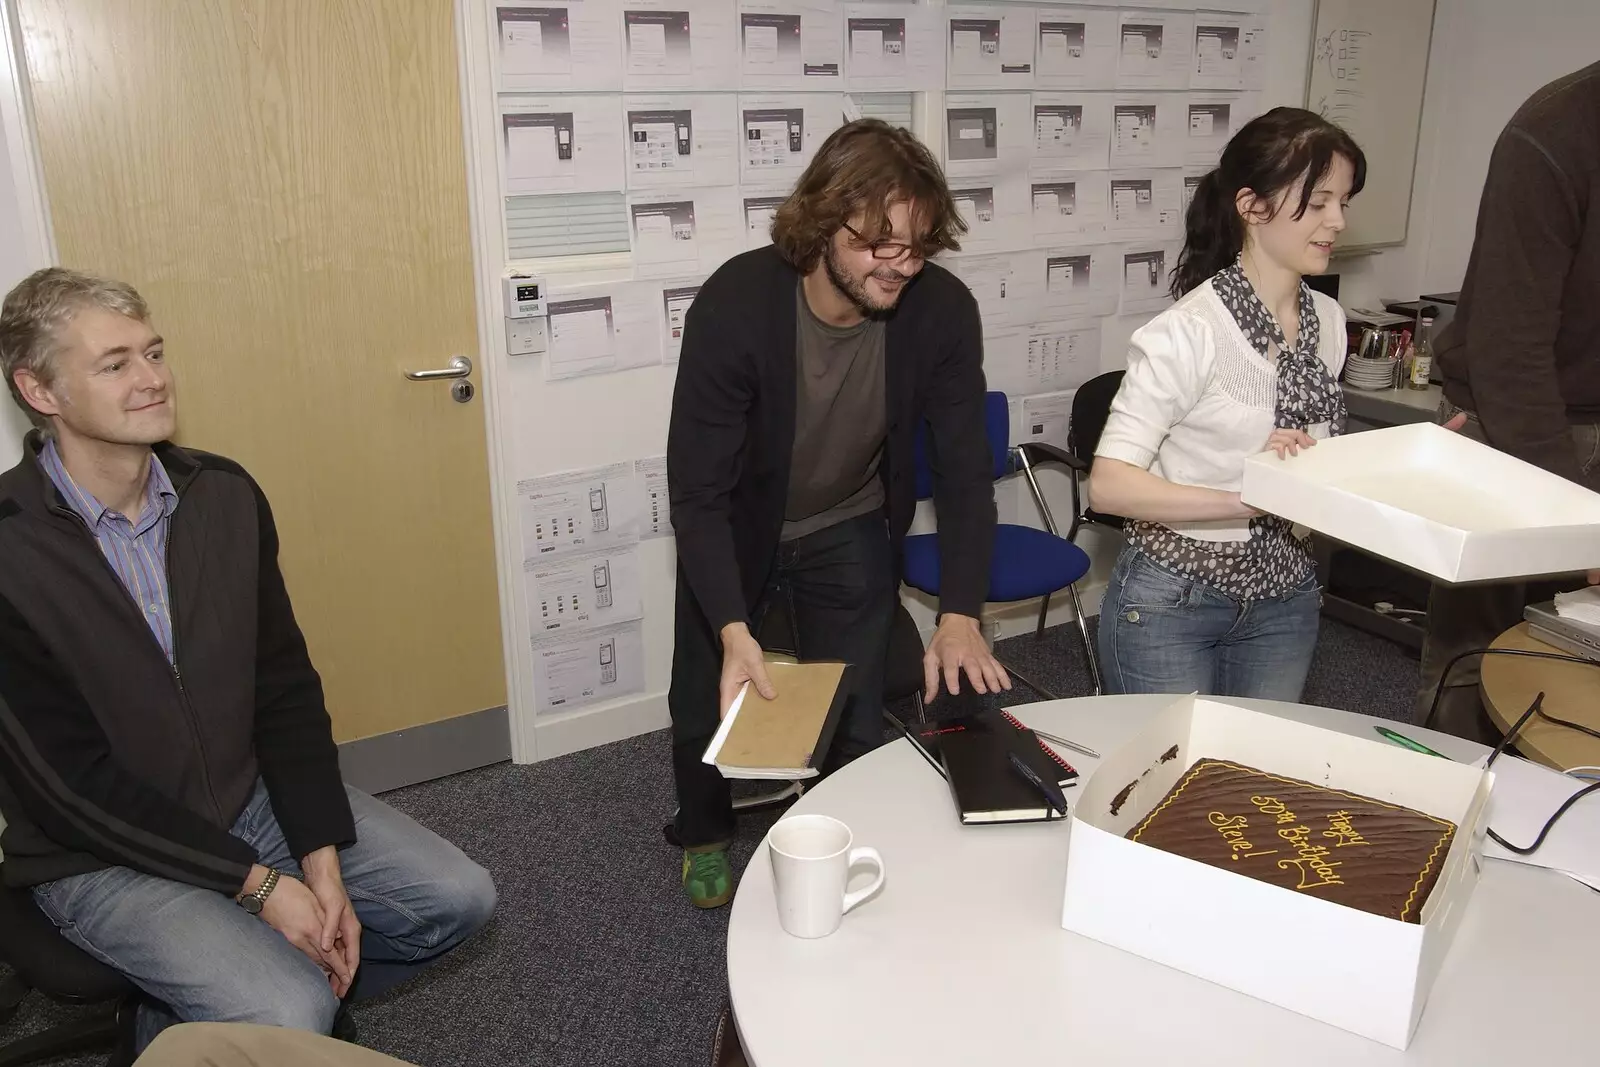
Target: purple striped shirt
x,y
137,551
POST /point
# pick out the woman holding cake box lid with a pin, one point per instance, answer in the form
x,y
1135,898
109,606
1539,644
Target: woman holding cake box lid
x,y
1210,595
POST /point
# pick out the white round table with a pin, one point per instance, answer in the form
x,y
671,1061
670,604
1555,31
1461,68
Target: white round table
x,y
961,960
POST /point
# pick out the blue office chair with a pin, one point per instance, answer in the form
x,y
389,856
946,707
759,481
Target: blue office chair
x,y
1027,563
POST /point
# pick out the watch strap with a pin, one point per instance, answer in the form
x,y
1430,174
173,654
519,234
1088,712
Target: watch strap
x,y
254,902
268,884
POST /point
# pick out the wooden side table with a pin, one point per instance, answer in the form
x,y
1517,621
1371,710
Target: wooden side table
x,y
1571,691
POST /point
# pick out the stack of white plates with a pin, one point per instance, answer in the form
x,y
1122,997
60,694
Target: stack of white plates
x,y
1365,373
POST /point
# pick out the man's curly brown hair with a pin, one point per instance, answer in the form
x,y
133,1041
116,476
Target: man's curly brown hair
x,y
863,168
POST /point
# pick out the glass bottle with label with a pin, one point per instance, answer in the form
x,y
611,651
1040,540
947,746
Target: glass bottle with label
x,y
1422,355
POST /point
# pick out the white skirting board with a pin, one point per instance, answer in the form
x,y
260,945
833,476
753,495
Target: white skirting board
x,y
560,735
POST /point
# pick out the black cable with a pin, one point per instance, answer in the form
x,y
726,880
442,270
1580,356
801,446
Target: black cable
x,y
1562,810
1533,709
1438,690
1569,725
1536,708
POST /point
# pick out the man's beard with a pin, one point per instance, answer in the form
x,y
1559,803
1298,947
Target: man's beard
x,y
855,290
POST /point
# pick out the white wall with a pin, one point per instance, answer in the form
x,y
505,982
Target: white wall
x,y
1495,61
1290,30
589,422
1487,57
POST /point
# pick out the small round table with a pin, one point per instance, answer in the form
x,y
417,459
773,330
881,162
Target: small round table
x,y
961,960
1508,685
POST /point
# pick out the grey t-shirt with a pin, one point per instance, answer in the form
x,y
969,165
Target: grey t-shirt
x,y
840,422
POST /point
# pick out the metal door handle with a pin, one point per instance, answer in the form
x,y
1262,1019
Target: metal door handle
x,y
460,367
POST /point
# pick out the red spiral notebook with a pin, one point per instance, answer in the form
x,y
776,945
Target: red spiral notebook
x,y
974,751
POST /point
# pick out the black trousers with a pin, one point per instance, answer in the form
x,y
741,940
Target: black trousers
x,y
839,587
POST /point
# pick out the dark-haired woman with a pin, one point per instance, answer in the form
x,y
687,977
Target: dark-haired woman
x,y
1209,595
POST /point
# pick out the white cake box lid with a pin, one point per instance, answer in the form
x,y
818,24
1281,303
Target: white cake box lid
x,y
1356,970
1432,500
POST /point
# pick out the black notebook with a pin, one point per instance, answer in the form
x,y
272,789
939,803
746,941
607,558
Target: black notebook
x,y
975,750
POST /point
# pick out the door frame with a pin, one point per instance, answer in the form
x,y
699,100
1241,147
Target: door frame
x,y
506,523
22,147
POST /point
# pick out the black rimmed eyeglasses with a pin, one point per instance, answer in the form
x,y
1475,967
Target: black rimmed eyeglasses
x,y
882,249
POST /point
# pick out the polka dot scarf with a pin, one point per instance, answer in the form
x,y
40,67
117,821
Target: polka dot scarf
x,y
1272,562
1307,391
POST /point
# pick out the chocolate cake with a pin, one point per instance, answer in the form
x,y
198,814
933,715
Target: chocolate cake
x,y
1350,849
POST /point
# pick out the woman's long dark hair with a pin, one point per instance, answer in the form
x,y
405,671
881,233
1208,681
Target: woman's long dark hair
x,y
1270,154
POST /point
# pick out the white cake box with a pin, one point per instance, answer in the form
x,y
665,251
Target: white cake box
x,y
1356,970
1432,500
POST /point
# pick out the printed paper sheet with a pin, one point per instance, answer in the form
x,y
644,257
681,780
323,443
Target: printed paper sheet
x,y
578,670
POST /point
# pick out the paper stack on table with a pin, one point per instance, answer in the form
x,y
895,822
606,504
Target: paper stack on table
x,y
1582,605
1525,796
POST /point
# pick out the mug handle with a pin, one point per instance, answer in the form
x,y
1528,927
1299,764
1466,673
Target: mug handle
x,y
869,856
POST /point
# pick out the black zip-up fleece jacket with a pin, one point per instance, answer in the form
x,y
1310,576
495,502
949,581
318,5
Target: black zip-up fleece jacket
x,y
730,443
110,755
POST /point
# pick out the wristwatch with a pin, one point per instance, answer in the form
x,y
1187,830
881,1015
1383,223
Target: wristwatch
x,y
254,902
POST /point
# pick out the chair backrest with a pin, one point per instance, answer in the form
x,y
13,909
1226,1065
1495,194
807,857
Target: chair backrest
x,y
1091,406
902,668
997,425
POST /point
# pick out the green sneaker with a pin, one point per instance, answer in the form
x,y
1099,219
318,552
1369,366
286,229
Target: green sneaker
x,y
706,876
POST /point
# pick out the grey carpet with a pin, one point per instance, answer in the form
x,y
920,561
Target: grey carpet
x,y
594,959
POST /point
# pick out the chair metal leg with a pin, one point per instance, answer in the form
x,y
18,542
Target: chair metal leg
x,y
1088,645
1018,676
1044,610
1072,590
793,789
127,1022
1038,495
922,712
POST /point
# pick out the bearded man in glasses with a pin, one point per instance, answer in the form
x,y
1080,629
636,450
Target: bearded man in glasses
x,y
808,370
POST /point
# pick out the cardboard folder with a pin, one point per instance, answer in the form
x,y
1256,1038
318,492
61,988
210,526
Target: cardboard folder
x,y
785,738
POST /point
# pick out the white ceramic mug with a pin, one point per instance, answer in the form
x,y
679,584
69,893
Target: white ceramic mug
x,y
811,864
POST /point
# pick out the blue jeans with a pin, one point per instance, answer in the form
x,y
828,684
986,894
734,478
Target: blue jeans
x,y
1163,633
207,960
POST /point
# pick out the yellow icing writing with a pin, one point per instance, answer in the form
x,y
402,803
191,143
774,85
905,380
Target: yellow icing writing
x,y
1342,830
1315,872
1274,807
1232,828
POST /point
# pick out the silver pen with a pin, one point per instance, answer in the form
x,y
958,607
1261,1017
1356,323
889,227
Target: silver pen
x,y
1064,743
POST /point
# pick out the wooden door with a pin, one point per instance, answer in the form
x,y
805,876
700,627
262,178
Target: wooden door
x,y
285,182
